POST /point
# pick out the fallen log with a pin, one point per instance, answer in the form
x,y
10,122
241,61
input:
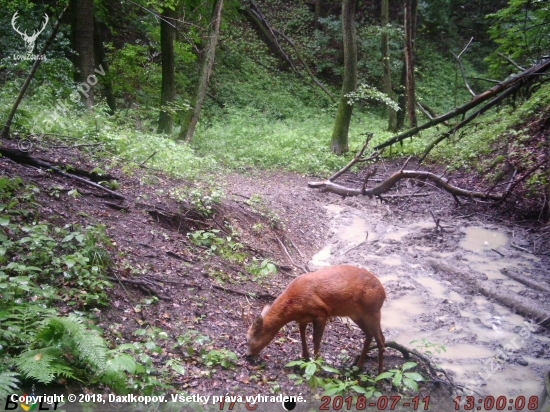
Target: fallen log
x,y
24,158
386,185
494,91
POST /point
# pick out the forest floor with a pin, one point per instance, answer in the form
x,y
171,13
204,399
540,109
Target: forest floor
x,y
443,283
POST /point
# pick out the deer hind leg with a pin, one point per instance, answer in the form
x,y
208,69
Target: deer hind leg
x,y
318,330
380,342
371,328
368,339
305,351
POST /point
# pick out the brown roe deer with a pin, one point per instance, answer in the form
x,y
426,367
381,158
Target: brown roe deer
x,y
314,298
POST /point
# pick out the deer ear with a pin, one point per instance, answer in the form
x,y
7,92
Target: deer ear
x,y
265,310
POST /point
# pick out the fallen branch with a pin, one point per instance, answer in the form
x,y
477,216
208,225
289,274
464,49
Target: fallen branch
x,y
494,91
358,158
283,247
458,58
513,63
255,17
271,37
473,116
247,294
306,66
23,157
386,185
144,284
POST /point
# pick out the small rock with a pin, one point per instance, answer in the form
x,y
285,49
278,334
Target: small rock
x,y
522,362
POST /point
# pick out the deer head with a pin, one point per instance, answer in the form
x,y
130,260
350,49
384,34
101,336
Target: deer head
x,y
29,40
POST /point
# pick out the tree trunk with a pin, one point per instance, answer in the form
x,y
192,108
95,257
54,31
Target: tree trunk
x,y
343,116
168,90
190,122
410,29
392,122
318,6
99,51
82,33
402,98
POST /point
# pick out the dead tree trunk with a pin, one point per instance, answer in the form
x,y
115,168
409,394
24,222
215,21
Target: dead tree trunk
x,y
392,121
101,60
410,31
383,187
192,118
270,35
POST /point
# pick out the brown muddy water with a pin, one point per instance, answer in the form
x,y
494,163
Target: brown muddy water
x,y
488,348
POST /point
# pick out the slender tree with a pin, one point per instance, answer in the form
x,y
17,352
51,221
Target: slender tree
x,y
168,89
318,6
402,97
192,117
410,31
82,36
392,122
100,59
343,116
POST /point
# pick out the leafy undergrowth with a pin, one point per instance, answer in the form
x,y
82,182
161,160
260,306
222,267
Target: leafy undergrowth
x,y
52,279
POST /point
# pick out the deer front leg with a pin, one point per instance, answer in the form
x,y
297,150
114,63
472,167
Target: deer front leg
x,y
305,351
318,329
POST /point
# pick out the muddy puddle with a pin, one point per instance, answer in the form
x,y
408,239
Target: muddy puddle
x,y
488,348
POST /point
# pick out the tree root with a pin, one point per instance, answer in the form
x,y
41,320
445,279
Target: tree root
x,y
406,352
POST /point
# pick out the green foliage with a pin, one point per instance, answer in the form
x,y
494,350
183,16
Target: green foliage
x,y
428,348
19,322
49,265
368,93
137,360
205,201
195,345
9,383
245,138
261,270
192,342
222,357
401,379
339,383
226,247
60,347
42,257
135,73
438,80
522,32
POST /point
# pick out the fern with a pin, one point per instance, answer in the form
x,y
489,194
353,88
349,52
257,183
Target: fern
x,y
121,362
18,323
8,383
44,365
58,343
86,344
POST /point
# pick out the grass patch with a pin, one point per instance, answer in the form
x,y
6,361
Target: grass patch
x,y
244,138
